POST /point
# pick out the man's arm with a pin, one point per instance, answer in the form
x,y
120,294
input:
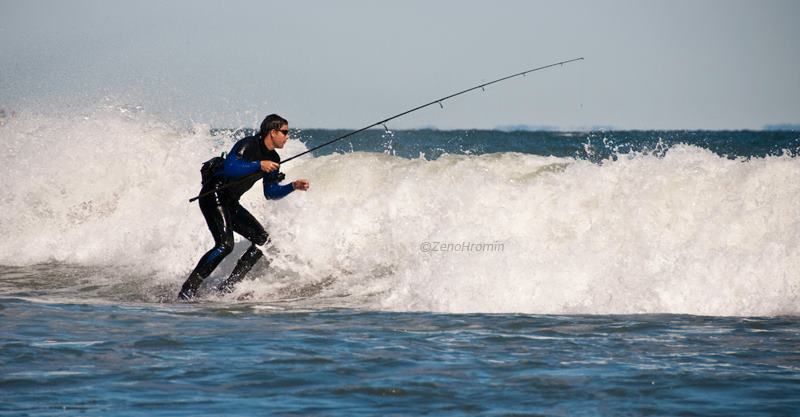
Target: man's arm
x,y
236,166
275,191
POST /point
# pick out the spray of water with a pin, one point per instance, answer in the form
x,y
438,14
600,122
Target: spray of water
x,y
683,232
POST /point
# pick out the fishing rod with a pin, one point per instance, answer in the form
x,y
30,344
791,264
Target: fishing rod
x,y
383,122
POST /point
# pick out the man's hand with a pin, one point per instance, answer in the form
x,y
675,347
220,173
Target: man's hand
x,y
268,166
301,185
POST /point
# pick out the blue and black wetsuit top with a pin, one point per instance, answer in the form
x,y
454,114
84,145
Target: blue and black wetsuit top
x,y
244,160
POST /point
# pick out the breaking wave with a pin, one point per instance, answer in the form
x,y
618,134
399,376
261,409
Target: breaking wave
x,y
685,231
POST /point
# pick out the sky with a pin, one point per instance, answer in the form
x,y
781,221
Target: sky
x,y
345,64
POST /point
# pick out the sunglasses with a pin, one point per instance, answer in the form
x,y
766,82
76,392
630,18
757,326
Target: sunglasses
x,y
284,131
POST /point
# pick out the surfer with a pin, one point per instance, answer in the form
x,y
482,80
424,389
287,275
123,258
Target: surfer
x,y
221,209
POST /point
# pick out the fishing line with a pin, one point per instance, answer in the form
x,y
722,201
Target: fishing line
x,y
383,122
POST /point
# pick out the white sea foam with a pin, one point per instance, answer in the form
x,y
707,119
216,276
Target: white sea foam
x,y
691,232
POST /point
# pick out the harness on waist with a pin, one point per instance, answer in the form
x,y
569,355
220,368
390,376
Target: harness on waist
x,y
214,166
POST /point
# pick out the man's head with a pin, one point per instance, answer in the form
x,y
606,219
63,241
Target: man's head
x,y
274,131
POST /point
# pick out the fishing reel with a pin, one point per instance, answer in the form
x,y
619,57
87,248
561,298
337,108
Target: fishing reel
x,y
277,177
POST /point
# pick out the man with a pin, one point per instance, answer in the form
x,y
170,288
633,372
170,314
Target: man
x,y
224,215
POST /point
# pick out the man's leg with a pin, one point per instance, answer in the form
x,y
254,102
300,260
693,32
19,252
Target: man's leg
x,y
218,218
246,225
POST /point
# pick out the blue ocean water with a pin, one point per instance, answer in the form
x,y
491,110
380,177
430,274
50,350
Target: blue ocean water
x,y
594,145
639,273
245,359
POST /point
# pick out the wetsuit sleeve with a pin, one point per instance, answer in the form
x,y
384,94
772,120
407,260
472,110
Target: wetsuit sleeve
x,y
275,191
235,166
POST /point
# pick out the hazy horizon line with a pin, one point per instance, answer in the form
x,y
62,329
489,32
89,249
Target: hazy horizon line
x,y
766,128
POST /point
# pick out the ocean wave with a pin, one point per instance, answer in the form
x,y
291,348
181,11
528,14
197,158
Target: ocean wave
x,y
682,231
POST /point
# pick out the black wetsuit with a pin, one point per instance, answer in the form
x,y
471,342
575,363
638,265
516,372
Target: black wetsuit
x,y
224,215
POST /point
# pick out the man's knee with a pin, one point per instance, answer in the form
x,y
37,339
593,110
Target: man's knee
x,y
226,247
260,239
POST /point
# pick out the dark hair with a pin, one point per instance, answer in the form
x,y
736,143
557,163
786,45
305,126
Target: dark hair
x,y
272,122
